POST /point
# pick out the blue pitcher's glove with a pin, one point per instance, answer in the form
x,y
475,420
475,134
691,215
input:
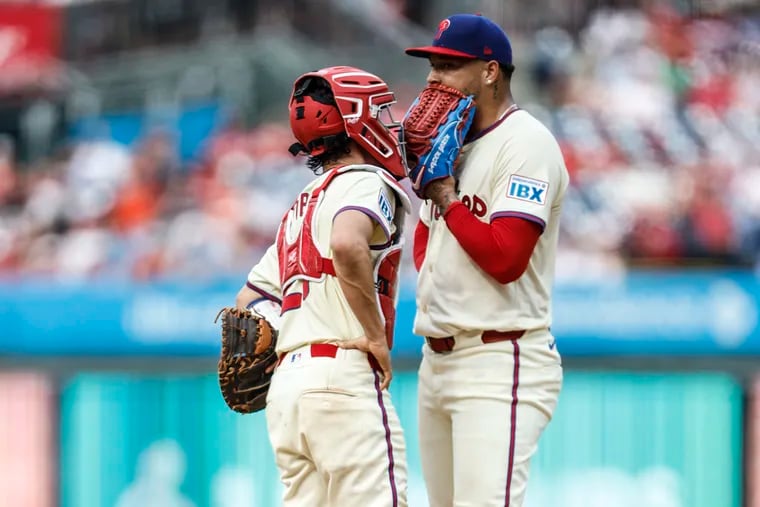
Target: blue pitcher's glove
x,y
434,130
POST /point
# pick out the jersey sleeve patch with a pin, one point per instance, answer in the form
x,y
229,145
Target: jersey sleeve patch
x,y
385,206
527,189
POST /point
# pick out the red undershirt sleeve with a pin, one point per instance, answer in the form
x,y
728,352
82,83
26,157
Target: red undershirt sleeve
x,y
421,233
502,248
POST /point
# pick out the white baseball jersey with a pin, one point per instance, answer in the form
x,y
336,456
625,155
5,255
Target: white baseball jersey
x,y
324,315
514,168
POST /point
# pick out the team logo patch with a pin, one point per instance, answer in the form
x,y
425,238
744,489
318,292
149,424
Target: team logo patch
x,y
527,189
385,206
442,27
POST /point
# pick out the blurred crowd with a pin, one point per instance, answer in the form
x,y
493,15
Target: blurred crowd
x,y
658,116
98,208
659,120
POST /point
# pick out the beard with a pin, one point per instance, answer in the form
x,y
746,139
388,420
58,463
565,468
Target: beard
x,y
474,90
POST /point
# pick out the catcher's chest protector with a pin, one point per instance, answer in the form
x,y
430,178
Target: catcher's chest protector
x,y
386,283
301,259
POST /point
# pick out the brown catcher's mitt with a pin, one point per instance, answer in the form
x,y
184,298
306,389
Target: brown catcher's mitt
x,y
434,130
247,360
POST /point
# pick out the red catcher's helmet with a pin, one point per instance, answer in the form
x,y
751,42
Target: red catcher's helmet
x,y
361,99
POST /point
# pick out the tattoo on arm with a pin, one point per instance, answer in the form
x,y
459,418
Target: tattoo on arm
x,y
446,200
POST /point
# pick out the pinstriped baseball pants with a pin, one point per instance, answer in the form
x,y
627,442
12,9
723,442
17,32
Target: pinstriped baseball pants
x,y
482,409
336,437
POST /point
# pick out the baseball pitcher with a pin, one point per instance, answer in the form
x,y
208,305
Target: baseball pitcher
x,y
493,180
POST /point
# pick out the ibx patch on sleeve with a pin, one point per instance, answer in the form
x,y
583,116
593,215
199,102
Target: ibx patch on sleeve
x,y
527,189
385,206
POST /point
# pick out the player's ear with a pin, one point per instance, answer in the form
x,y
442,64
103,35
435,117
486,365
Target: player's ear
x,y
490,72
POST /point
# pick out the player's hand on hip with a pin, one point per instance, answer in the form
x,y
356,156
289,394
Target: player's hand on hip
x,y
379,350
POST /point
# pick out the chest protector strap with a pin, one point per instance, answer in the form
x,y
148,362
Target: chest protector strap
x,y
300,258
386,276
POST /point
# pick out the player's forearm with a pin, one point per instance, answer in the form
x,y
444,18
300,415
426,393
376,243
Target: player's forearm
x,y
353,267
502,249
244,296
443,192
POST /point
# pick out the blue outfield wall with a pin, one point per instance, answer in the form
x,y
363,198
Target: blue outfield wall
x,y
618,440
647,313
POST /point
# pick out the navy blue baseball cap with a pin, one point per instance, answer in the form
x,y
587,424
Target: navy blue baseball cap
x,y
468,36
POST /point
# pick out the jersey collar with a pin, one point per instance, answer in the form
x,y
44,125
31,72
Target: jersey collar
x,y
511,109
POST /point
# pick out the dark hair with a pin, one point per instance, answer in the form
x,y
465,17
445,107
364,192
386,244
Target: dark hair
x,y
337,146
507,70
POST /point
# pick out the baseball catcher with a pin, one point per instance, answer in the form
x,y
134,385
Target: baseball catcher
x,y
333,272
247,358
434,130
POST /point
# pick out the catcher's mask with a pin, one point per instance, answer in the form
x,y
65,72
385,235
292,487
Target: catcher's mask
x,y
358,107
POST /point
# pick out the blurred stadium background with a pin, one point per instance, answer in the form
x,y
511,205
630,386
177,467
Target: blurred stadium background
x,y
143,169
